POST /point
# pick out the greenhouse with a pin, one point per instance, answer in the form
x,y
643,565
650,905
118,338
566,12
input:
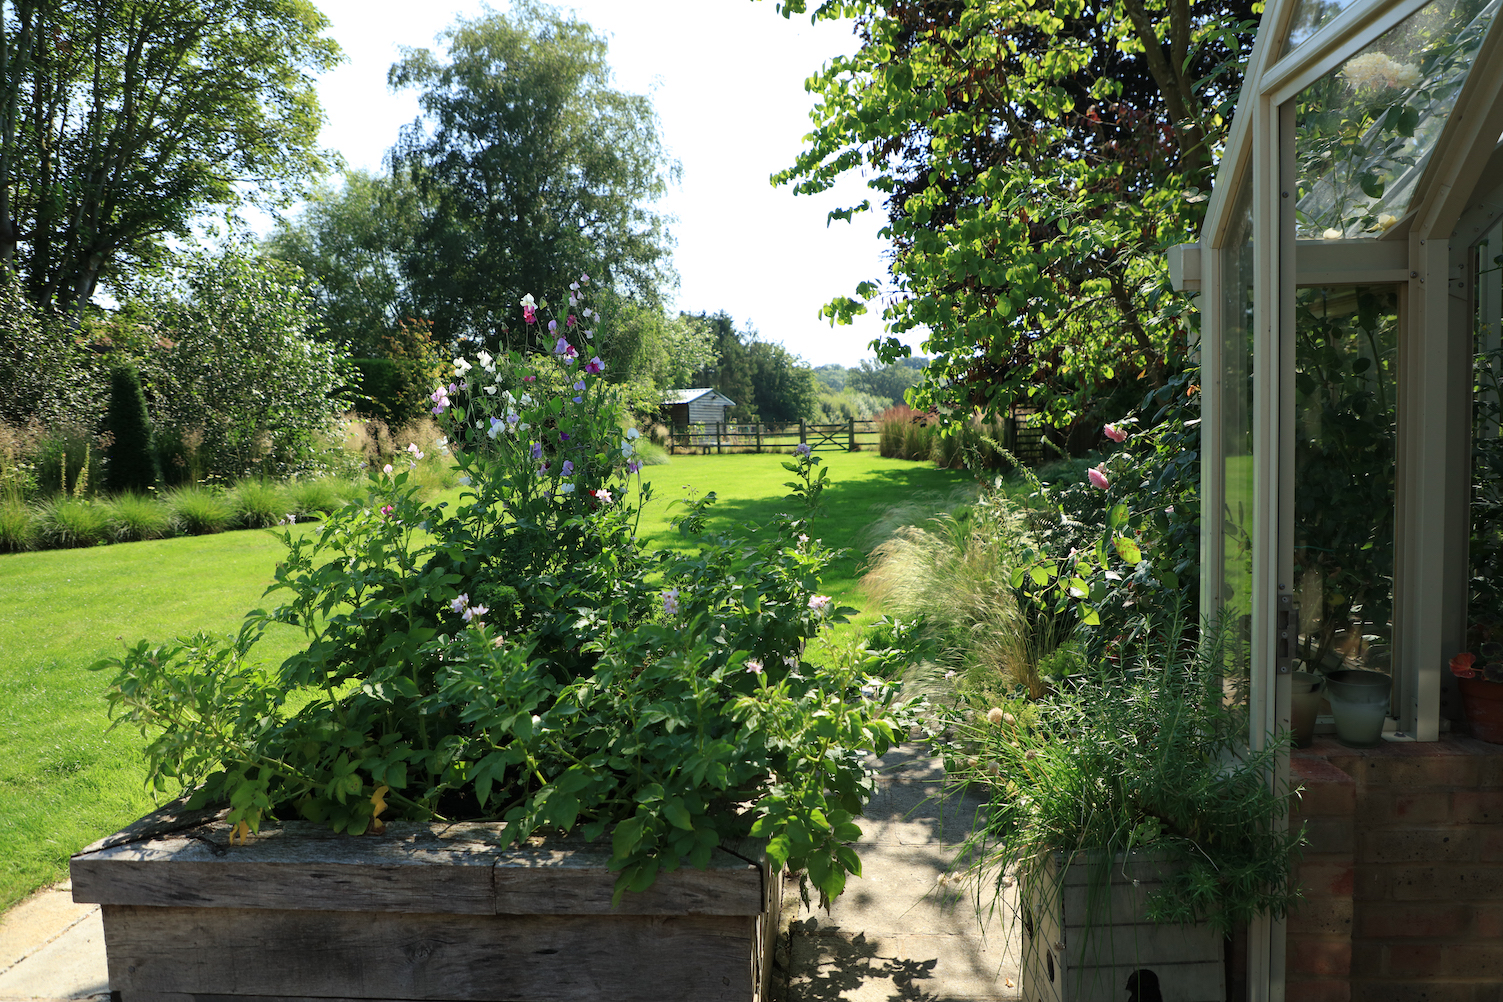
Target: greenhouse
x,y
1349,289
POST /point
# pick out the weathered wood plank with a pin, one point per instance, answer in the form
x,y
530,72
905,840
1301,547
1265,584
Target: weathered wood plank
x,y
501,958
295,865
572,877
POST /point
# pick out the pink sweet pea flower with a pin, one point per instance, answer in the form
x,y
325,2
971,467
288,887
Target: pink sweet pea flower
x,y
1115,433
1097,477
595,366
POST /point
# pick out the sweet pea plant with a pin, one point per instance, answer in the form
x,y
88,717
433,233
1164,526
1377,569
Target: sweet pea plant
x,y
523,657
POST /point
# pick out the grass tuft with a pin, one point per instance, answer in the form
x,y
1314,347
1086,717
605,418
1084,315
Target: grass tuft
x,y
201,510
65,522
134,517
318,497
18,531
260,503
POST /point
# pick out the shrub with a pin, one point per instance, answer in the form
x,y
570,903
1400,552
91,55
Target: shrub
x,y
200,510
47,371
133,517
260,503
70,521
66,459
241,368
18,471
131,454
18,530
520,656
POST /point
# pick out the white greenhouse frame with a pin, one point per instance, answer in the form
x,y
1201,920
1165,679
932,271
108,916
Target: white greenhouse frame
x,y
1428,255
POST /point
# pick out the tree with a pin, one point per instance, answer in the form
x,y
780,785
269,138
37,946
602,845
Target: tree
x,y
132,453
238,370
1034,161
122,121
529,168
767,381
646,351
889,381
350,242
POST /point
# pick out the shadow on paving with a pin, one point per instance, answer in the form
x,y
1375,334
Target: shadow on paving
x,y
902,932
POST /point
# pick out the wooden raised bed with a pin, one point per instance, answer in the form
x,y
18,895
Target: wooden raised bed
x,y
420,912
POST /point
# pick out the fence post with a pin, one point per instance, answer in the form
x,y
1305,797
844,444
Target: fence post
x,y
758,426
850,434
803,436
718,426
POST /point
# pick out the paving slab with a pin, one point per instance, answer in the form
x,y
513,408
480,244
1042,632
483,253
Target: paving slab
x,y
52,948
906,930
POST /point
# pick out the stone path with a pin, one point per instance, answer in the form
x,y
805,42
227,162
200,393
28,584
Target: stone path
x,y
902,932
898,934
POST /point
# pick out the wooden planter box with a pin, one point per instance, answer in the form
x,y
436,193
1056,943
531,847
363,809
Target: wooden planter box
x,y
420,912
1083,940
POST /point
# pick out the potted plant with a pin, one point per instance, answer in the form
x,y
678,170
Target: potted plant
x,y
476,679
1140,827
1481,687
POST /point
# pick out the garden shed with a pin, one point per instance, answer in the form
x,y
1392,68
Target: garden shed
x,y
700,405
1348,273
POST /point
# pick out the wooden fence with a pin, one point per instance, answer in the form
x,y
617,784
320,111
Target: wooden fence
x,y
849,436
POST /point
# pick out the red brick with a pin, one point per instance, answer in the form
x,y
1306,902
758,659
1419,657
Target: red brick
x,y
1319,990
1328,957
1326,880
1325,791
1419,764
1475,960
1322,916
1407,960
1477,806
1487,922
1449,844
1330,835
1419,920
1387,808
1444,882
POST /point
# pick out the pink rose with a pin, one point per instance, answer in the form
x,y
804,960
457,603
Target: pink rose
x,y
1098,477
1115,433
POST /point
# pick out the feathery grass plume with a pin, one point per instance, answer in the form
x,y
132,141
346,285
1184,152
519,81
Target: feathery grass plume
x,y
956,571
72,521
259,503
135,517
317,498
201,510
18,529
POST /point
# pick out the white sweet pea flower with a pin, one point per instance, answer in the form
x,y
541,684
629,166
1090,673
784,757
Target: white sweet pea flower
x,y
573,286
626,448
527,399
461,367
491,390
566,488
487,361
527,300
633,434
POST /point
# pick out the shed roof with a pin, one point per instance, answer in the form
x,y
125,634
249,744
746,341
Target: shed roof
x,y
689,396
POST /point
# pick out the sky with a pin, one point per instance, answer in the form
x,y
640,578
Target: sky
x,y
727,80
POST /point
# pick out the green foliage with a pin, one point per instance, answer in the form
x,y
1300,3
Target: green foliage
x,y
126,122
66,460
527,166
241,386
886,381
1034,161
135,517
72,521
1152,757
646,351
259,503
131,463
349,244
508,658
1485,606
834,407
47,372
18,528
768,382
200,510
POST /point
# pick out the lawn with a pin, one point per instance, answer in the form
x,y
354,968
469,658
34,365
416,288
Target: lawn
x,y
65,780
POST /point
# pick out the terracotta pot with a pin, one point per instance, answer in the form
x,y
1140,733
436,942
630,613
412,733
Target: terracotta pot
x,y
1306,691
1484,708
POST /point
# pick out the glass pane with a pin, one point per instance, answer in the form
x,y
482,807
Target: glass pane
x,y
1485,615
1236,396
1364,133
1345,427
1309,17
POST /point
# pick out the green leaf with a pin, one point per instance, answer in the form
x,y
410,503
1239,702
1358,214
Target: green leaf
x,y
678,815
1128,550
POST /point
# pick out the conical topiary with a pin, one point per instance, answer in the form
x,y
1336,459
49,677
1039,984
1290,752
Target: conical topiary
x,y
132,462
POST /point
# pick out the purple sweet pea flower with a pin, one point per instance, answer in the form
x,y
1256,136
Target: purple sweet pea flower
x,y
568,468
595,366
537,450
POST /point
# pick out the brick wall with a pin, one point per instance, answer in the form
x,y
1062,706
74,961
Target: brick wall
x,y
1403,876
